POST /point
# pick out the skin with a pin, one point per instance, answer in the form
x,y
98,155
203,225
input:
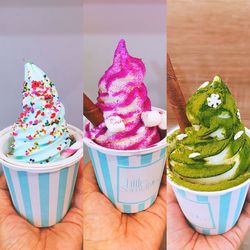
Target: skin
x,y
17,233
182,236
105,227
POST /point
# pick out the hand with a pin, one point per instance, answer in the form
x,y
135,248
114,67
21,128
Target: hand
x,y
17,233
105,227
182,236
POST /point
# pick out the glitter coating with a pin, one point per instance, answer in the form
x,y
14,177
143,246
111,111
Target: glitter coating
x,y
122,93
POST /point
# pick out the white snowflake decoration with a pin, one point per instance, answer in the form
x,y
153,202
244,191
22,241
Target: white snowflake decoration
x,y
238,114
193,155
203,85
238,135
180,137
214,100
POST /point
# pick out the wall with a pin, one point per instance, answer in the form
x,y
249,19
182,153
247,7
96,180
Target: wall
x,y
49,34
206,38
142,24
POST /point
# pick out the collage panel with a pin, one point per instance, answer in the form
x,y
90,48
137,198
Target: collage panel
x,y
41,125
208,157
125,146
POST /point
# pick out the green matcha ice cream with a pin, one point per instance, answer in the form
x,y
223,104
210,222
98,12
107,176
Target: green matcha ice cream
x,y
214,153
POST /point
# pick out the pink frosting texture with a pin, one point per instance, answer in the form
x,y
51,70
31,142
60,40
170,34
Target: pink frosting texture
x,y
122,93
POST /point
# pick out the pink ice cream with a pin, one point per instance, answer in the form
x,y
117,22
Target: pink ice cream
x,y
123,98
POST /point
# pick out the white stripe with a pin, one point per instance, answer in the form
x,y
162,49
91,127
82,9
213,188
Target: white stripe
x,y
147,203
215,208
156,155
190,196
53,196
232,207
33,181
134,208
134,161
17,189
112,166
68,188
99,171
119,206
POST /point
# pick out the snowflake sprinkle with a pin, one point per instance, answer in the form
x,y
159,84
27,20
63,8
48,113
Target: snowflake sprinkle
x,y
193,155
238,135
214,100
203,85
181,137
238,114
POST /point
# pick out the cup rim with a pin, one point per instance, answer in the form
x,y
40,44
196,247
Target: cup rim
x,y
159,145
36,167
208,193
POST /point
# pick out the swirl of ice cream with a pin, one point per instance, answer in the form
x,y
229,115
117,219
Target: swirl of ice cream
x,y
122,97
40,133
212,154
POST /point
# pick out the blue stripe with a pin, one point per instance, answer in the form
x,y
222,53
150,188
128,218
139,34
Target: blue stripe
x,y
61,194
44,198
240,203
202,198
146,159
127,208
11,187
152,200
94,165
223,214
180,192
73,183
24,186
122,160
141,206
106,175
163,152
206,231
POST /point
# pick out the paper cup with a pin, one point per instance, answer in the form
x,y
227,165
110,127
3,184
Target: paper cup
x,y
214,212
129,178
41,193
211,213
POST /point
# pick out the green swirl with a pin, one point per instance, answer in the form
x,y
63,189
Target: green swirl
x,y
213,154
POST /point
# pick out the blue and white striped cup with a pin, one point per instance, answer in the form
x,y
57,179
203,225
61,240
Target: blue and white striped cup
x,y
129,178
40,193
211,213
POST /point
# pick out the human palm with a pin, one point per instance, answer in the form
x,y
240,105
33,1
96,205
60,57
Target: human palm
x,y
107,228
182,236
17,233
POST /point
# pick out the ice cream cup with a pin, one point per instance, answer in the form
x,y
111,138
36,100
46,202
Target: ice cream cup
x,y
214,212
41,193
129,178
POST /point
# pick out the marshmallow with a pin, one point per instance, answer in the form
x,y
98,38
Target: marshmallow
x,y
114,124
163,123
151,118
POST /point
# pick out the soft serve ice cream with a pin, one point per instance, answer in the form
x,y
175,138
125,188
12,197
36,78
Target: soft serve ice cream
x,y
40,133
212,154
129,121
